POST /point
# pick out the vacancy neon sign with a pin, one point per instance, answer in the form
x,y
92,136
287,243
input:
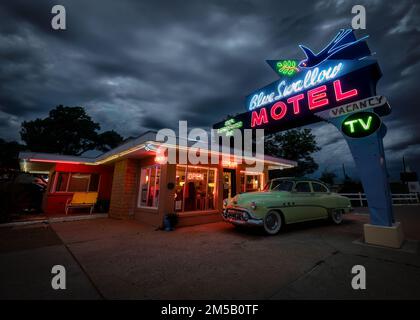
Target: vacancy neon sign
x,y
315,98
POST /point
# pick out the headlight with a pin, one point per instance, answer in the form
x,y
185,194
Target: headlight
x,y
244,215
253,205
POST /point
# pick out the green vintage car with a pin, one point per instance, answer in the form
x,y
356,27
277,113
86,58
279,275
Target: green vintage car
x,y
285,201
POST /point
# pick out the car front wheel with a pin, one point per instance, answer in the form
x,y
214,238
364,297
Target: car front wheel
x,y
273,222
337,216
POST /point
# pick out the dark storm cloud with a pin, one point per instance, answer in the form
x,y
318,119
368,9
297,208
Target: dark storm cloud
x,y
138,65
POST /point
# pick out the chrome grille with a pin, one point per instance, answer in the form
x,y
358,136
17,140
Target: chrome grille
x,y
235,214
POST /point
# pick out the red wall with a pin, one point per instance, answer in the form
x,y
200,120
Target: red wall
x,y
55,203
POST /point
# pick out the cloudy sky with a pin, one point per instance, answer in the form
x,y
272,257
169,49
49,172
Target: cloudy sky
x,y
138,65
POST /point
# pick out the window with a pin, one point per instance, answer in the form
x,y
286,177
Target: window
x,y
251,182
318,187
62,181
74,182
303,187
78,182
149,187
51,182
282,185
194,188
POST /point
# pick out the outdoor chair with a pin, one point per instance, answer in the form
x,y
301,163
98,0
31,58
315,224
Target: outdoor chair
x,y
82,200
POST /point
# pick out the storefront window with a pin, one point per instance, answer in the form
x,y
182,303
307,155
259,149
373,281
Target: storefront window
x,y
179,188
149,187
251,182
195,188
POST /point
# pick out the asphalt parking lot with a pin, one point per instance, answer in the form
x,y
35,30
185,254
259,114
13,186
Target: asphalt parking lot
x,y
114,259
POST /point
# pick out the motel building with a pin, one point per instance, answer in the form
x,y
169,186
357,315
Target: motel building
x,y
132,182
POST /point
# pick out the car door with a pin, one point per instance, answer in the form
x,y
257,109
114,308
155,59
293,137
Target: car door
x,y
303,203
321,197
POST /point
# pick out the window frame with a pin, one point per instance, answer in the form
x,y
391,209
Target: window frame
x,y
55,175
139,205
307,182
260,176
285,180
182,211
321,184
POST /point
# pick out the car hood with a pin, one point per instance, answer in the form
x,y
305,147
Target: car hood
x,y
248,197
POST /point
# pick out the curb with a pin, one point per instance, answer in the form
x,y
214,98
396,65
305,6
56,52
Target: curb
x,y
55,220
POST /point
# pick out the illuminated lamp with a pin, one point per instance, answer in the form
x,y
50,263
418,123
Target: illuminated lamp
x,y
161,159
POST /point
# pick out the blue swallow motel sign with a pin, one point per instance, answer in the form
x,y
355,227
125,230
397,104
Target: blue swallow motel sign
x,y
336,85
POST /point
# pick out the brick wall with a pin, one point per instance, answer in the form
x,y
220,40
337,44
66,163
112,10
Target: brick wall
x,y
124,186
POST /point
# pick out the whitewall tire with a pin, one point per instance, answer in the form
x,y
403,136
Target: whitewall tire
x,y
337,216
273,222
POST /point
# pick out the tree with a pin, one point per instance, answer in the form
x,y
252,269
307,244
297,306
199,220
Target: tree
x,y
9,152
67,130
297,145
108,140
328,177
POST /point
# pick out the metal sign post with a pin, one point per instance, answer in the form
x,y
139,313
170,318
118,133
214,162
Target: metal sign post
x,y
369,157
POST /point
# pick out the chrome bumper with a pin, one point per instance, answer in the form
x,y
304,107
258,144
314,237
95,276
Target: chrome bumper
x,y
234,216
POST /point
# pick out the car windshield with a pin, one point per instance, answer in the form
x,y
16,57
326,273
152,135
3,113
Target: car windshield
x,y
281,185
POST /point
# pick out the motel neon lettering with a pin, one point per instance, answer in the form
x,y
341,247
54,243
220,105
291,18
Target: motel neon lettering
x,y
316,98
311,79
259,118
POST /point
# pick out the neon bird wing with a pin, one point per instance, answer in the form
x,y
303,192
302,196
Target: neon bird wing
x,y
341,37
308,52
338,39
341,47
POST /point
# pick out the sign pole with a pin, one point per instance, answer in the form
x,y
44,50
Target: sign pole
x,y
369,157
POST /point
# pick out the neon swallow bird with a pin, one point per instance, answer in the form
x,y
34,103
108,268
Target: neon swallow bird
x,y
344,39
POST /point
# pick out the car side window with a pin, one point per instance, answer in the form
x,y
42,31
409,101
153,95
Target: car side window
x,y
318,187
282,185
302,187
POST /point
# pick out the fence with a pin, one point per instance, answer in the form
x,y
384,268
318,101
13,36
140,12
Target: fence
x,y
359,199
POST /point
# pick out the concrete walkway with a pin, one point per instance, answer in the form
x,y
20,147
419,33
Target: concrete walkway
x,y
115,259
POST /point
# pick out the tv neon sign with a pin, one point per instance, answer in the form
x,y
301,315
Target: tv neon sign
x,y
316,98
361,124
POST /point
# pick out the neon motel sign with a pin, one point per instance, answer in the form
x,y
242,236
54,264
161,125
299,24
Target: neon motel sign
x,y
342,76
315,99
336,85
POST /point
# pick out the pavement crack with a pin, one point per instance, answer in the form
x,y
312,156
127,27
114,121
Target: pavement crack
x,y
305,273
388,261
85,273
